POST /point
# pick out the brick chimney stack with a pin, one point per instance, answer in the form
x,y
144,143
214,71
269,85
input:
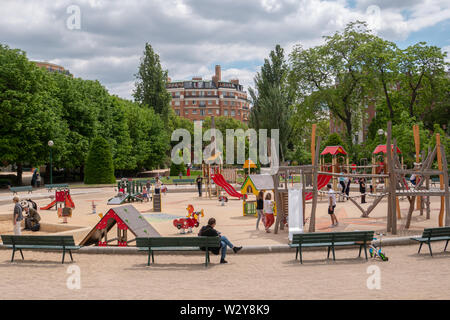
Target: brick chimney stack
x,y
218,73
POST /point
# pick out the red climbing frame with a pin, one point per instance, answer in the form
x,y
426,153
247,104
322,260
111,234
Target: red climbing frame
x,y
103,224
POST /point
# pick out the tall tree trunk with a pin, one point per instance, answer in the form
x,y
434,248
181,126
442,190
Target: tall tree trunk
x,y
19,174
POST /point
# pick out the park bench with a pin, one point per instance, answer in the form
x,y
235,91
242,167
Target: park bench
x,y
49,187
331,240
177,244
433,234
15,190
17,243
183,181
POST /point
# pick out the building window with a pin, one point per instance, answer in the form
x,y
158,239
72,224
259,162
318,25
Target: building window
x,y
177,112
209,93
225,103
210,102
202,112
210,111
232,103
186,112
177,103
232,113
217,111
193,102
225,112
194,111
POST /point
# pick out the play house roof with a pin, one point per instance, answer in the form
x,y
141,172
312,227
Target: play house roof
x,y
333,150
128,215
382,148
258,182
249,163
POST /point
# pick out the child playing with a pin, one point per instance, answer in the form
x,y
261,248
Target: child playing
x,y
268,212
145,194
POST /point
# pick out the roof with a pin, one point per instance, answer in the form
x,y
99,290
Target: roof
x,y
261,181
382,148
131,217
333,150
247,162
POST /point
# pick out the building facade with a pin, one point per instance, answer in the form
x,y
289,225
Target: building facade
x,y
51,67
197,99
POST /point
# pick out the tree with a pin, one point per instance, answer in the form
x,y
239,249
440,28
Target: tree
x,y
330,76
99,163
272,98
30,114
150,87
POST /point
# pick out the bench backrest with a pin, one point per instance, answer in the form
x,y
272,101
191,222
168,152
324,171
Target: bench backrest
x,y
155,242
38,240
325,237
21,188
436,232
183,180
61,185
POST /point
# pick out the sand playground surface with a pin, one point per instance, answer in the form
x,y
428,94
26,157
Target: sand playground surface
x,y
406,275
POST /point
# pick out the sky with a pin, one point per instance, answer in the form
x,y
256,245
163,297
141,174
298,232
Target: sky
x,y
104,40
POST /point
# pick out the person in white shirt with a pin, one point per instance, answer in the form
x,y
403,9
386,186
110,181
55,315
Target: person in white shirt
x,y
331,206
268,212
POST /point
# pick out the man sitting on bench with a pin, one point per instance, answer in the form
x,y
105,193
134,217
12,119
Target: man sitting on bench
x,y
209,231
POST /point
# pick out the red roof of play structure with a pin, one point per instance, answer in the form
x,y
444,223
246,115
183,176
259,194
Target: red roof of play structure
x,y
334,150
382,148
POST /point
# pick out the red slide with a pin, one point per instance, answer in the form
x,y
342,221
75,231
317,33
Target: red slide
x,y
69,202
49,206
322,181
221,182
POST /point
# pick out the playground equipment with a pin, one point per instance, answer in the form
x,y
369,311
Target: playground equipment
x,y
128,191
376,252
192,220
334,167
127,218
253,184
62,198
220,181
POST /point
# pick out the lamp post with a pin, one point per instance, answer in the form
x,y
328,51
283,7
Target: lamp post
x,y
381,133
50,144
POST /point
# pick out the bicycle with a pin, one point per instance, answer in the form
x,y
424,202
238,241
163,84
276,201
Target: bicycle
x,y
376,252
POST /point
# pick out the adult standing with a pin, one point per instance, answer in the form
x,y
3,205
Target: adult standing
x,y
157,186
199,182
347,188
362,189
17,215
260,209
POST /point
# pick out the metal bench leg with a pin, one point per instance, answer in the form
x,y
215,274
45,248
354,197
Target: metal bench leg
x,y
365,251
296,253
64,254
12,258
206,257
429,246
153,256
420,247
70,252
328,255
21,254
360,249
301,256
149,254
446,245
334,258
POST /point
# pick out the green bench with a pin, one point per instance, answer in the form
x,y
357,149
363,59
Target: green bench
x,y
331,240
15,190
49,187
433,234
177,244
17,243
183,181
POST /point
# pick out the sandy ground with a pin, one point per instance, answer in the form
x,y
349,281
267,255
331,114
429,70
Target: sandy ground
x,y
406,275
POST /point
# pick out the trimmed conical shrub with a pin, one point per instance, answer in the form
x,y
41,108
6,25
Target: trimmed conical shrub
x,y
99,165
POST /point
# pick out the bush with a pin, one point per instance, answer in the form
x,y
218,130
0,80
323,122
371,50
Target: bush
x,y
99,164
175,169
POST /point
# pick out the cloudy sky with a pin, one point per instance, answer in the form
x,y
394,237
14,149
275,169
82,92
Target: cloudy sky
x,y
192,36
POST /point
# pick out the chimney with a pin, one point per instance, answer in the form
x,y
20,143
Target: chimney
x,y
218,73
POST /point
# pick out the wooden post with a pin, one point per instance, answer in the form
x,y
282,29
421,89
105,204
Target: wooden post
x,y
417,145
278,203
446,197
441,178
313,143
392,181
312,223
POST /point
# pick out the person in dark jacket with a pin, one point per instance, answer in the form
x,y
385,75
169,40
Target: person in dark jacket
x,y
209,231
362,189
199,182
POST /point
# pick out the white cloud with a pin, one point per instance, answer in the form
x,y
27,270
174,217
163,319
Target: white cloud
x,y
191,36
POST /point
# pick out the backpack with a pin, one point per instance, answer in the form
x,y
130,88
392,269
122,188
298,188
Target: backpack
x,y
36,227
